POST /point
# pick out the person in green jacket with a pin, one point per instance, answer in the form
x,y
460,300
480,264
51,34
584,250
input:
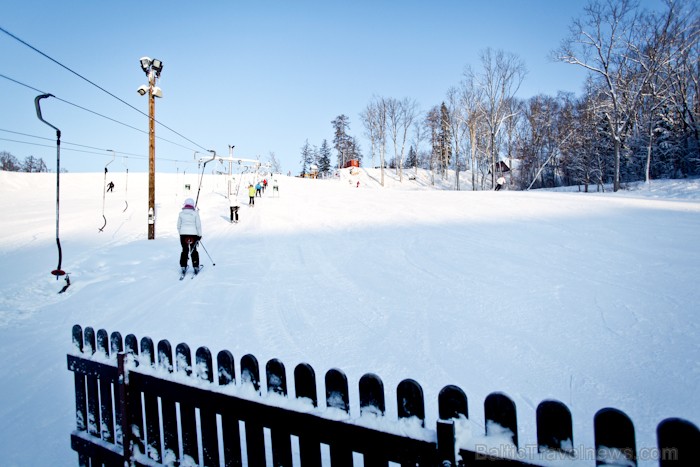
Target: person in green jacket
x,y
251,195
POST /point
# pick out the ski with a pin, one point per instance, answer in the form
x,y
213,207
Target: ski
x,y
196,271
183,272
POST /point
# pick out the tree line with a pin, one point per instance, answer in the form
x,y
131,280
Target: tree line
x,y
10,163
636,118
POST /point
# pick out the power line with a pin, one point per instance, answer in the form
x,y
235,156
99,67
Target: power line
x,y
97,86
92,111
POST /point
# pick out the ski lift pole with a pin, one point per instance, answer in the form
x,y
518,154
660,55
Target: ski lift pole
x,y
58,271
202,176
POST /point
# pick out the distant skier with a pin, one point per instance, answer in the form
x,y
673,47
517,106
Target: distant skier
x,y
258,189
110,187
189,227
251,195
500,182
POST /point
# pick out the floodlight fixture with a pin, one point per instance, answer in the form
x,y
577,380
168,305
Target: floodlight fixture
x,y
157,92
157,65
142,90
145,64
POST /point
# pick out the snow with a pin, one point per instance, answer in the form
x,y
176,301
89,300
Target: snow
x,y
586,298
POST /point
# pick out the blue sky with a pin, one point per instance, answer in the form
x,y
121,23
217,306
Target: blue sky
x,y
264,76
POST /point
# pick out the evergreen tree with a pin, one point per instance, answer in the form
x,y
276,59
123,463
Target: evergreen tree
x,y
324,158
307,157
341,141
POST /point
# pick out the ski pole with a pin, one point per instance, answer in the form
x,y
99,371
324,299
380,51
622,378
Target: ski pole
x,y
205,250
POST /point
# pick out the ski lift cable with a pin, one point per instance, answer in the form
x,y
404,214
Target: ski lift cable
x,y
37,104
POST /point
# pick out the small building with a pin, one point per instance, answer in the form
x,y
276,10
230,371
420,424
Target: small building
x,y
352,163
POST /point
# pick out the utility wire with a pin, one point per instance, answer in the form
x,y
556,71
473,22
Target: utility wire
x,y
97,86
92,111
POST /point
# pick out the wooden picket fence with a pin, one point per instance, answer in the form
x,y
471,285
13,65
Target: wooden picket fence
x,y
137,405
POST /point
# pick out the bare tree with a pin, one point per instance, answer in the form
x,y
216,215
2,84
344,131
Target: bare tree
x,y
374,119
471,108
502,75
400,116
458,126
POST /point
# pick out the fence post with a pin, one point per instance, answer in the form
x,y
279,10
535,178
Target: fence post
x,y
446,443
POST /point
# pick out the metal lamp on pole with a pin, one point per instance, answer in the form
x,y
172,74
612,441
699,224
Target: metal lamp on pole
x,y
152,68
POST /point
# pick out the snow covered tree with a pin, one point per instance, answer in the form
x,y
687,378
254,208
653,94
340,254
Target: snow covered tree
x,y
400,117
619,45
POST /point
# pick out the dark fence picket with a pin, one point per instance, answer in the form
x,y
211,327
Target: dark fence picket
x,y
372,395
210,443
452,403
337,397
131,347
93,398
409,398
614,431
554,427
188,415
106,416
79,381
305,388
230,430
679,441
280,435
132,431
80,393
372,403
150,401
117,346
410,403
168,406
500,409
254,433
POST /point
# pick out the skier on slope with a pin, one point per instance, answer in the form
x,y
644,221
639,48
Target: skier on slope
x,y
251,195
189,227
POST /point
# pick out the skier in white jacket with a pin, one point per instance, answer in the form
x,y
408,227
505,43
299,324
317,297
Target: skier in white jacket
x,y
190,229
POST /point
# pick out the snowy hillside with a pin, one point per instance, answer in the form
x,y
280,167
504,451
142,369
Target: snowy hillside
x,y
589,299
